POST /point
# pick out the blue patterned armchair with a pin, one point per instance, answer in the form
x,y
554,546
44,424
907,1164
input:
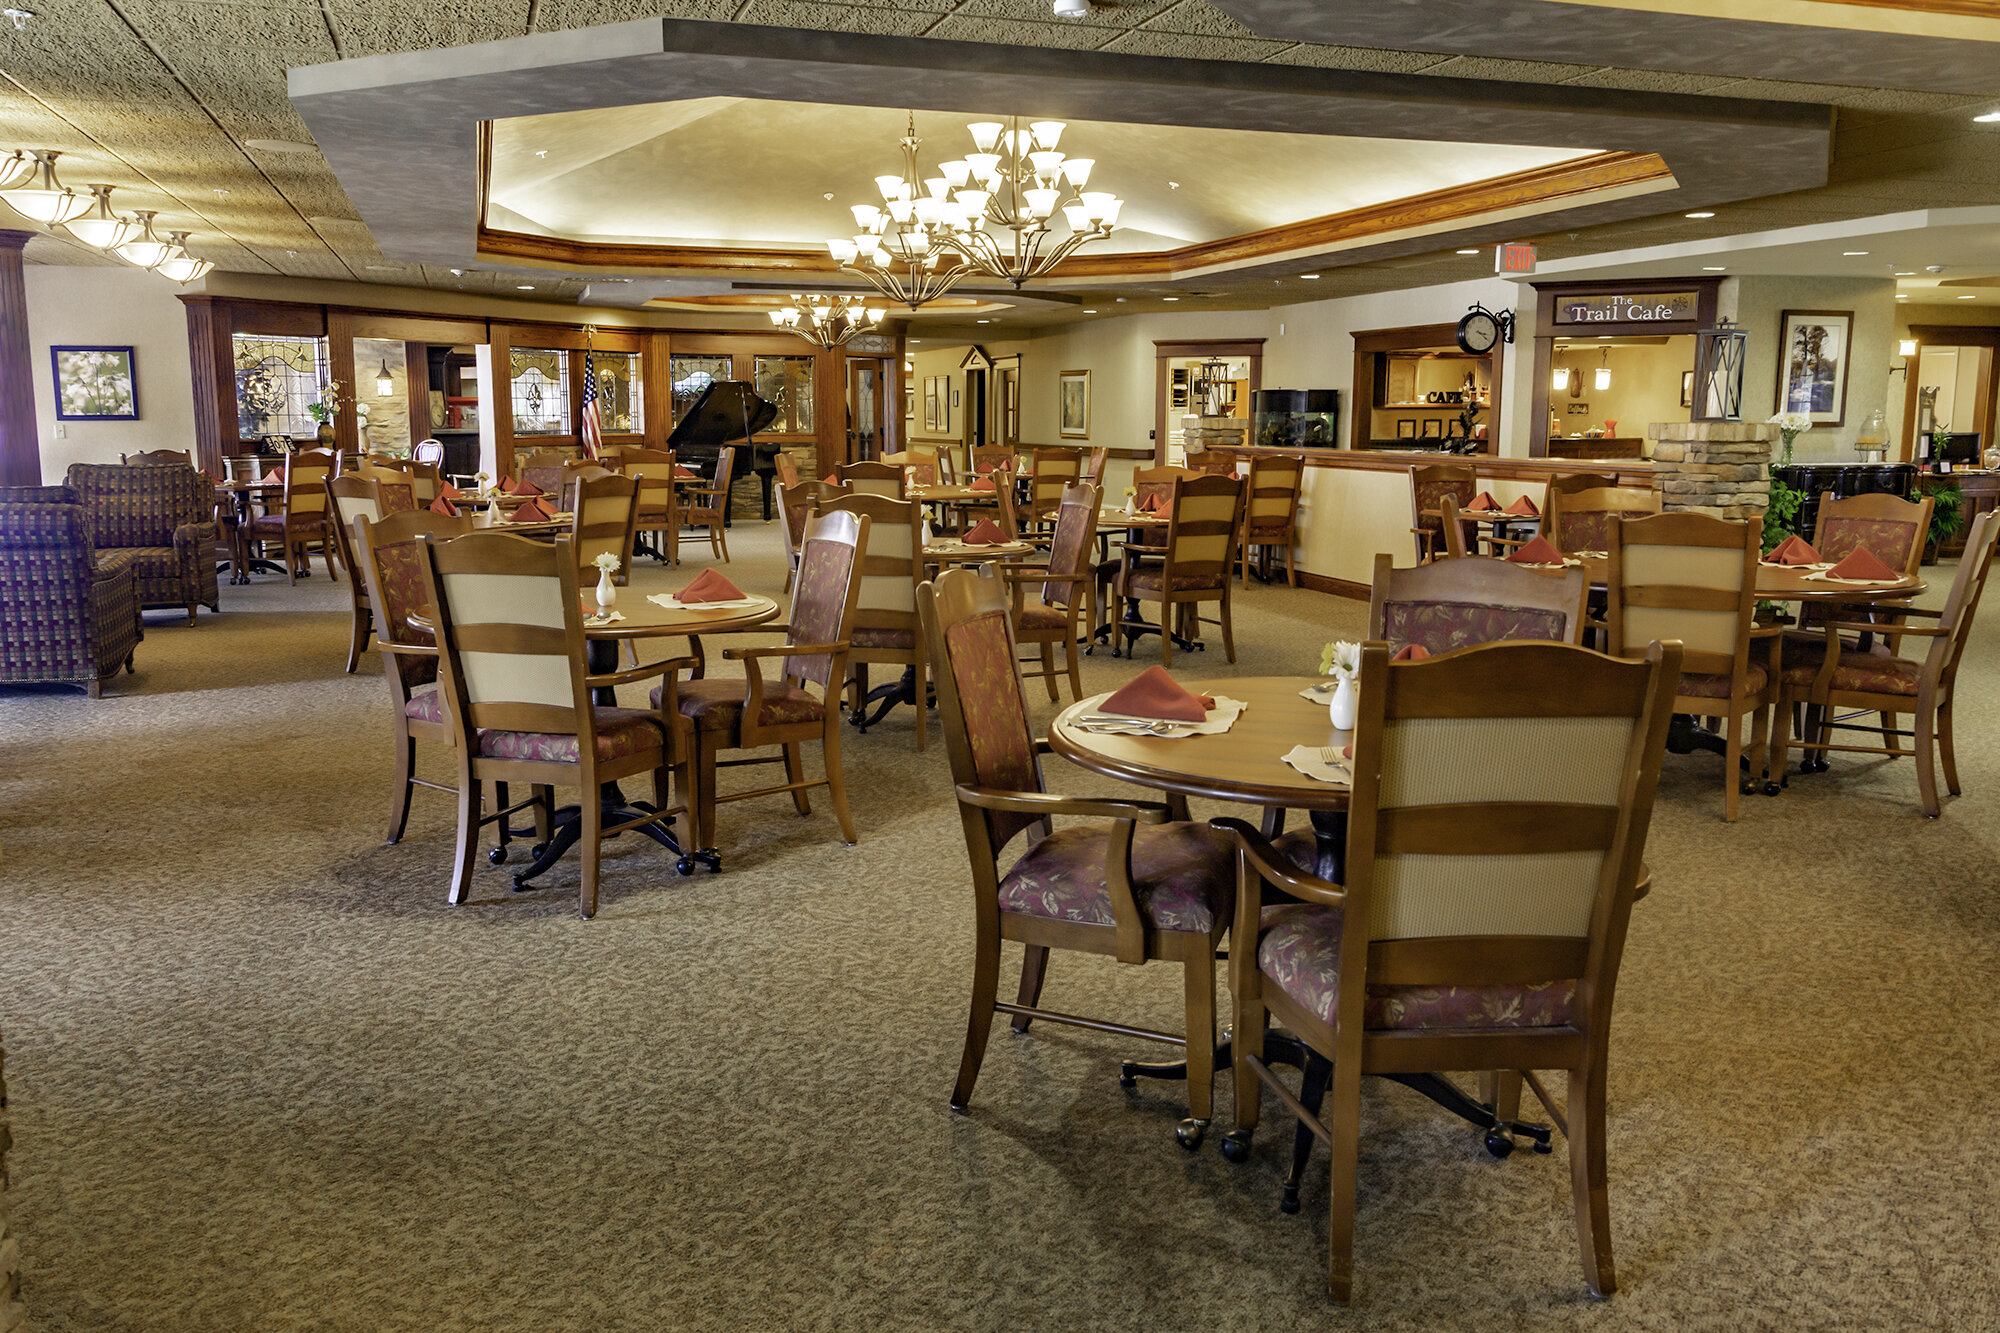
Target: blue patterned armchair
x,y
65,616
163,516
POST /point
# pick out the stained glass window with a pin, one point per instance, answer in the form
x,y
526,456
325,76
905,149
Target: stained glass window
x,y
538,382
275,379
691,376
620,394
787,383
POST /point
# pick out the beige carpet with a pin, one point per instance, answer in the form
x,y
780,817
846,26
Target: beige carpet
x,y
262,1078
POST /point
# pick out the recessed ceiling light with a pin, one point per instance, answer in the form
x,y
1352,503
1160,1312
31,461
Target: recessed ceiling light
x,y
1468,252
1852,254
1906,273
280,146
1902,296
1090,312
984,321
1965,298
1701,215
1988,118
1715,268
524,287
1170,298
1310,277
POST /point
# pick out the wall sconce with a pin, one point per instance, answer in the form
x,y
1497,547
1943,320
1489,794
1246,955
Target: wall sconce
x,y
1907,347
385,383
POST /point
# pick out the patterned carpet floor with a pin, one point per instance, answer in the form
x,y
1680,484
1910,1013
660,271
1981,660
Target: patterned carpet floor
x,y
263,1078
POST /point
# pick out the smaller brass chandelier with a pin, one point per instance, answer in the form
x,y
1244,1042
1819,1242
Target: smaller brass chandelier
x,y
827,321
179,265
146,250
50,202
101,227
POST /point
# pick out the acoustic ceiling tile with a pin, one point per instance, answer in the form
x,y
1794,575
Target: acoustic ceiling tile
x,y
883,19
1014,32
1191,45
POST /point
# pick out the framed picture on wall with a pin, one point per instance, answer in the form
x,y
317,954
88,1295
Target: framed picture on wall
x,y
1433,428
909,402
1687,388
931,405
95,384
1074,404
1406,428
1813,347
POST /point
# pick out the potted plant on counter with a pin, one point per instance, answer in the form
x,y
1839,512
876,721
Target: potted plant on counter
x,y
1947,517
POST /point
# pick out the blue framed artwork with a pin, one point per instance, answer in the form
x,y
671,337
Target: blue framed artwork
x,y
95,384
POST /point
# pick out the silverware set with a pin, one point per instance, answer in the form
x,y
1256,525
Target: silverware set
x,y
1125,726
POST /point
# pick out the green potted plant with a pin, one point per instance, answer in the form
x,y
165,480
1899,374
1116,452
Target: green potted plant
x,y
1947,517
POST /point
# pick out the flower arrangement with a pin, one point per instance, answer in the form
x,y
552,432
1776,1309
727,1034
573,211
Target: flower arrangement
x,y
606,562
1340,659
485,480
1790,426
327,405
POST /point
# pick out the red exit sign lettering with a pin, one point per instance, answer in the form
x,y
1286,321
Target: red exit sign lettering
x,y
1515,257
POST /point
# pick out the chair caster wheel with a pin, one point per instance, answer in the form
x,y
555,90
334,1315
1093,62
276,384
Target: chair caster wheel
x,y
1542,1147
521,884
685,865
498,856
1499,1145
1288,1202
1190,1132
1236,1146
1772,789
1126,1081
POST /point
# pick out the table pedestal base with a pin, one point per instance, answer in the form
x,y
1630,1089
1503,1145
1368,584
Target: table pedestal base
x,y
1685,736
902,690
614,808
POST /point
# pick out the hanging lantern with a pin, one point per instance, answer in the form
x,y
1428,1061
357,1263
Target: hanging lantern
x,y
385,383
1718,373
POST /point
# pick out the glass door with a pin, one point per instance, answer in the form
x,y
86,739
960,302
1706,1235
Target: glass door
x,y
865,382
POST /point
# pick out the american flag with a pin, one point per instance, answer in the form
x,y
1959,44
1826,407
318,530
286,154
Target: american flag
x,y
593,426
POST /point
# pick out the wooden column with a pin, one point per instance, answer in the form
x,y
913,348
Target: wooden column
x,y
20,450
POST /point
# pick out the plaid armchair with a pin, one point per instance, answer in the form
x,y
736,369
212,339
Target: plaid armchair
x,y
163,514
65,617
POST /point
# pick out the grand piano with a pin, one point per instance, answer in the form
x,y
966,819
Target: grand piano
x,y
1842,480
727,411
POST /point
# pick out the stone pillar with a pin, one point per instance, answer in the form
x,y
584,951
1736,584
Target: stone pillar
x,y
20,451
1199,433
13,1318
1720,468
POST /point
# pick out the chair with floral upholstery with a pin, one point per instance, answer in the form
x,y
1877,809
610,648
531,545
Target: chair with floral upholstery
x,y
885,623
1271,511
1694,578
161,518
1135,887
519,699
1452,604
797,503
748,713
1494,896
357,495
66,617
1893,529
543,470
920,467
993,458
1430,483
1836,672
784,469
1193,565
1582,520
300,521
1060,612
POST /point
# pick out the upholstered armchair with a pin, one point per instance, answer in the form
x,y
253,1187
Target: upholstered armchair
x,y
1059,611
1429,485
65,617
1452,604
163,515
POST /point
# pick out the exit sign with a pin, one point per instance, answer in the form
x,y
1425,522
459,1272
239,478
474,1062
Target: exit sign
x,y
1514,257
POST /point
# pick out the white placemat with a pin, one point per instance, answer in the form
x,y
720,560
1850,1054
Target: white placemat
x,y
1319,694
1825,576
1088,717
1311,761
671,603
595,622
1772,564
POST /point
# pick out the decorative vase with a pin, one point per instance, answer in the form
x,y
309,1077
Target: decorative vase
x,y
1346,701
607,592
325,432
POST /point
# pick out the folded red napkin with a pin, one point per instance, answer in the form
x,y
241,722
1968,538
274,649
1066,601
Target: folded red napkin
x,y
1150,505
984,533
1483,503
443,506
513,487
1862,564
1524,508
275,477
680,471
1411,652
708,586
831,479
984,482
1155,694
1536,551
531,512
447,491
1793,551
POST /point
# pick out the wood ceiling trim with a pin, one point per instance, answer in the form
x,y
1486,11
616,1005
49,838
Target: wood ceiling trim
x,y
1978,9
1558,183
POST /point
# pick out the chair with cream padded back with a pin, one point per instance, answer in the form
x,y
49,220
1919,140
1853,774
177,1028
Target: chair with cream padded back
x,y
1692,578
301,519
1501,798
659,501
1055,471
1194,564
604,514
350,496
520,700
1271,509
885,618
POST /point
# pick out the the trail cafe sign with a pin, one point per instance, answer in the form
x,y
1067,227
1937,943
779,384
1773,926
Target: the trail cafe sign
x,y
1645,308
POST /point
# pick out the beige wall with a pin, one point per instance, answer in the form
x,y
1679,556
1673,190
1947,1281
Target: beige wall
x,y
1760,305
110,307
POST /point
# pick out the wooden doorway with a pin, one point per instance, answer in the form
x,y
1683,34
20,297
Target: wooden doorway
x,y
867,407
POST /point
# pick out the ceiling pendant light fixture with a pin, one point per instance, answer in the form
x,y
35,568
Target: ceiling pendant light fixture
x,y
1603,376
100,226
179,265
385,383
50,202
146,249
15,167
827,321
1559,379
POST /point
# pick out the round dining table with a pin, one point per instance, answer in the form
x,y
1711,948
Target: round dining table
x,y
1244,764
1789,583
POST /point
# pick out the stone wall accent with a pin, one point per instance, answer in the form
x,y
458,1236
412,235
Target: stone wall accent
x,y
1721,468
13,1317
1199,433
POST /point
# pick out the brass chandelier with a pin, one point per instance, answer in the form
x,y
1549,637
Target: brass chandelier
x,y
827,321
992,211
29,186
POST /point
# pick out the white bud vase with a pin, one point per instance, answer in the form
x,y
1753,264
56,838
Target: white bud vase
x,y
607,594
1346,701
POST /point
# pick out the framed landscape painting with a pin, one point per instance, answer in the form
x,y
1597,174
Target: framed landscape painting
x,y
1074,404
1813,347
95,384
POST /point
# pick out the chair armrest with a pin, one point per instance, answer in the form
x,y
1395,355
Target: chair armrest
x,y
398,649
1045,804
646,672
1256,854
784,650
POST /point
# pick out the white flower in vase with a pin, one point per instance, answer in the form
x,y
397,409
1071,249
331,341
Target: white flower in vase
x,y
607,591
1341,659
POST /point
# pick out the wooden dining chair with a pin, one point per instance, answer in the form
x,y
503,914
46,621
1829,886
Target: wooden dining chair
x,y
520,699
708,506
920,466
1132,886
1694,578
803,704
1193,565
992,457
1895,532
1271,511
1560,487
1873,677
300,522
426,481
544,471
603,519
885,625
796,504
1052,601
1430,483
1055,471
159,456
1583,520
1452,604
872,478
1490,903
659,499
352,496
784,469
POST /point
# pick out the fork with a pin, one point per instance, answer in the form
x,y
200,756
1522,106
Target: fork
x,y
1330,756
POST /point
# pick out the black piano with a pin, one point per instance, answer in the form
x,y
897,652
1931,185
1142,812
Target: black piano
x,y
727,411
1843,480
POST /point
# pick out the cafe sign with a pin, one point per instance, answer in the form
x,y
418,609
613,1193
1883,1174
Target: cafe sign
x,y
1646,308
